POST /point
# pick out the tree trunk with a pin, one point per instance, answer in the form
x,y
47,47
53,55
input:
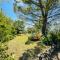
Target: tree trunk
x,y
44,15
44,32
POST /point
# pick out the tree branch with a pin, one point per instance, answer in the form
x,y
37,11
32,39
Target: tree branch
x,y
41,7
53,15
35,3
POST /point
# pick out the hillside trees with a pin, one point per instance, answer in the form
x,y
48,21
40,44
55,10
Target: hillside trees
x,y
19,26
37,10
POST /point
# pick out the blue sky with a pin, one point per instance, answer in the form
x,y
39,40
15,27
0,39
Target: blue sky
x,y
7,7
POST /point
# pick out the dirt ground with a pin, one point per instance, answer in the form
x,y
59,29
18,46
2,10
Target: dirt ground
x,y
17,46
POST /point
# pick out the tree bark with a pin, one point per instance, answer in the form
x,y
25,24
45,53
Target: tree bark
x,y
44,15
44,32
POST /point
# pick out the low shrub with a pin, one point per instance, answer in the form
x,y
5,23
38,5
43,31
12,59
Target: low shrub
x,y
35,37
51,39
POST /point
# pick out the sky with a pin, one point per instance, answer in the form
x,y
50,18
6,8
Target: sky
x,y
7,7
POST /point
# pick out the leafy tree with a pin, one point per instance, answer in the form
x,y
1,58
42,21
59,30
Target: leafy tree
x,y
19,26
38,10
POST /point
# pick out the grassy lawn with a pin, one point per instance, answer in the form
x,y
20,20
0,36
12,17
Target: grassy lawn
x,y
17,46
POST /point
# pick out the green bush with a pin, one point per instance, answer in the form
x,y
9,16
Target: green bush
x,y
51,39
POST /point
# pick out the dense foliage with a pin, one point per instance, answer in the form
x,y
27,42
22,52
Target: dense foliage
x,y
52,39
6,28
19,26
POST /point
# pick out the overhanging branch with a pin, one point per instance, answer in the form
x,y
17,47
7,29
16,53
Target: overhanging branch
x,y
53,15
